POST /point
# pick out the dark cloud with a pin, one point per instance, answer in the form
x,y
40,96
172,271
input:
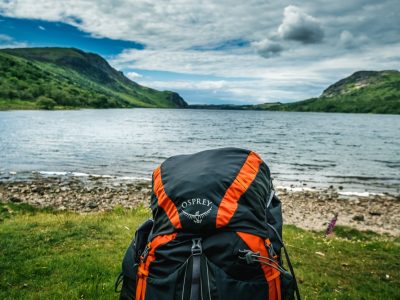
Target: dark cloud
x,y
267,48
299,26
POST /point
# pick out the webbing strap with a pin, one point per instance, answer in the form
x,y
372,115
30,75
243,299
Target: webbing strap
x,y
195,287
196,283
239,186
288,262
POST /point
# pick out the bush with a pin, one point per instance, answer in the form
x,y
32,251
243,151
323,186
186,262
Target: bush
x,y
45,102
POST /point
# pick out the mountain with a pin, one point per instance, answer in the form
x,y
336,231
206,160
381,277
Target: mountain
x,y
362,92
49,78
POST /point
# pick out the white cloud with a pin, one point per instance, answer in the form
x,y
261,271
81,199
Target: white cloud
x,y
191,84
7,41
158,24
5,38
13,45
236,90
313,45
299,26
133,75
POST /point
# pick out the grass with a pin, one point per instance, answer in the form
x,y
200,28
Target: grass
x,y
61,255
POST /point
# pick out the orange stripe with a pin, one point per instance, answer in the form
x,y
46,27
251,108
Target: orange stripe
x,y
239,186
143,270
256,244
163,200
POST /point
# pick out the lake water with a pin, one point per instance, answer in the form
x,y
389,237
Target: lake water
x,y
356,151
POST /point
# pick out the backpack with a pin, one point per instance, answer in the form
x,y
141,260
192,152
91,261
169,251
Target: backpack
x,y
215,233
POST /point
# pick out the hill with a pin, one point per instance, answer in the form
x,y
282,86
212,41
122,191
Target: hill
x,y
50,78
362,92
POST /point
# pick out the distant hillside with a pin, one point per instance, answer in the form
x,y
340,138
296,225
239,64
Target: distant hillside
x,y
70,78
362,92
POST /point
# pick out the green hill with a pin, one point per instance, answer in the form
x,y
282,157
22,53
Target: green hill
x,y
48,78
362,92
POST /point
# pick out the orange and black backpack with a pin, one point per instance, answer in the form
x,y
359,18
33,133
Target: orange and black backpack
x,y
215,233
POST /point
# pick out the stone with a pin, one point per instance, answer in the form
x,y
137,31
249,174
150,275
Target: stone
x,y
358,218
15,199
92,205
375,213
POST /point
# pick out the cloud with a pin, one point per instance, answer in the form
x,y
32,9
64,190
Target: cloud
x,y
192,84
267,48
299,26
7,41
133,75
236,91
310,48
5,38
348,41
181,24
41,27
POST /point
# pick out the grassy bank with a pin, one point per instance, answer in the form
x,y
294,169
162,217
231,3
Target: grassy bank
x,y
47,255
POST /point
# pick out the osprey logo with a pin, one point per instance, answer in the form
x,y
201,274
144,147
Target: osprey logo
x,y
201,204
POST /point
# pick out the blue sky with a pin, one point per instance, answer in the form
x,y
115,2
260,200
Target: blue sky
x,y
43,33
218,51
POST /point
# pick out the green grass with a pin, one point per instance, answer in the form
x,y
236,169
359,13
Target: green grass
x,y
61,255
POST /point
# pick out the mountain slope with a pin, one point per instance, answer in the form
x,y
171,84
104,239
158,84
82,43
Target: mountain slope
x,y
362,92
68,77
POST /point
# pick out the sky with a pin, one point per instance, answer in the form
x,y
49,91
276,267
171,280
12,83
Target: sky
x,y
218,52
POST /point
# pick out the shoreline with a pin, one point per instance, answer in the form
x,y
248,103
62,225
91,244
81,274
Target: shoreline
x,y
306,208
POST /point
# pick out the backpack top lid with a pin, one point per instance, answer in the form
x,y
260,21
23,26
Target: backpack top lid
x,y
220,189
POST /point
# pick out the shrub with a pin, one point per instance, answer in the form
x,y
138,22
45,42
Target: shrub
x,y
45,102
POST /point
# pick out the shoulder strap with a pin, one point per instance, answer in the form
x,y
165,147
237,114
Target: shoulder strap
x,y
147,258
257,244
288,261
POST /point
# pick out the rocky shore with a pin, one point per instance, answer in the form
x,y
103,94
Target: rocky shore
x,y
309,209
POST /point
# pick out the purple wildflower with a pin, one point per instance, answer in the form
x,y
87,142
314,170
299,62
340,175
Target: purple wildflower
x,y
331,225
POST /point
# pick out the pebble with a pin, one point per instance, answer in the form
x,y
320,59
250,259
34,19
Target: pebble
x,y
358,218
311,209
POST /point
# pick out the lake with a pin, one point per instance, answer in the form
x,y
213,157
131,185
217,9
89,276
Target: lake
x,y
358,152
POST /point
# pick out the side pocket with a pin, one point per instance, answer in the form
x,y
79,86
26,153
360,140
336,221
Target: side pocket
x,y
166,288
128,289
131,260
224,286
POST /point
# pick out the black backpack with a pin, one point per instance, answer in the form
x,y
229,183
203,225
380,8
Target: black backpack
x,y
215,233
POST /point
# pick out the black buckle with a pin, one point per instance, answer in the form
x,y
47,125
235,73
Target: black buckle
x,y
271,251
196,247
247,255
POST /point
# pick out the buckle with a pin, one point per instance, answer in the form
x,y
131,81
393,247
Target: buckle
x,y
271,251
248,256
145,252
196,247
